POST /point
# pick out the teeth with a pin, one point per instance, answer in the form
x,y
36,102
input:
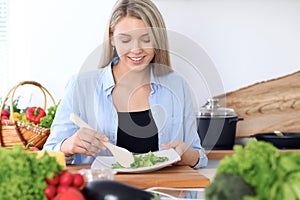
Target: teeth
x,y
136,59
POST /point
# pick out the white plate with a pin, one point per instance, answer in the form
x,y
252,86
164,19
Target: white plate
x,y
107,161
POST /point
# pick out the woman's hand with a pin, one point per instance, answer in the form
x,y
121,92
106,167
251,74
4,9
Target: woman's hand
x,y
189,156
84,141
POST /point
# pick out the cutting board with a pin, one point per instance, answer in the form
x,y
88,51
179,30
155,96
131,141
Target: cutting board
x,y
173,176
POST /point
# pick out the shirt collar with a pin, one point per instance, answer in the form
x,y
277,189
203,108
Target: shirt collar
x,y
153,79
108,82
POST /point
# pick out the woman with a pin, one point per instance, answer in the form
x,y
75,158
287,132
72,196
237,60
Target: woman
x,y
134,100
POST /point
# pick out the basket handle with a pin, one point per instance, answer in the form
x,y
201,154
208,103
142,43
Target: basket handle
x,y
13,90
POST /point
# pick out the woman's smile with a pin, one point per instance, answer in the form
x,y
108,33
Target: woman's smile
x,y
136,60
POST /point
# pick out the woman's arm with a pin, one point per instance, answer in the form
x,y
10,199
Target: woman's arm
x,y
189,156
189,148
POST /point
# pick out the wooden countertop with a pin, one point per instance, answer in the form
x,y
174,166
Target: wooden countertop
x,y
172,176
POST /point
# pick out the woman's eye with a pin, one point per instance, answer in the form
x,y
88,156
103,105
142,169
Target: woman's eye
x,y
146,40
125,41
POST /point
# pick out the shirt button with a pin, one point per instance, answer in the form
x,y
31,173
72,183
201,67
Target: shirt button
x,y
161,134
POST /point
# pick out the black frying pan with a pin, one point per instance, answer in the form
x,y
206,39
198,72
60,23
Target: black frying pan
x,y
287,141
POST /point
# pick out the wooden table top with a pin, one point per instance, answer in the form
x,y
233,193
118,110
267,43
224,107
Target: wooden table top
x,y
172,176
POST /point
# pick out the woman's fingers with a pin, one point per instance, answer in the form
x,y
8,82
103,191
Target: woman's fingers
x,y
93,138
179,146
87,147
84,141
189,156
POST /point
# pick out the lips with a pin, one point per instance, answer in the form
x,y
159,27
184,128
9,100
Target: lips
x,y
137,60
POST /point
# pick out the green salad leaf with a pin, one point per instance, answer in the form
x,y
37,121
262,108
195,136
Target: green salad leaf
x,y
22,175
146,160
47,120
273,174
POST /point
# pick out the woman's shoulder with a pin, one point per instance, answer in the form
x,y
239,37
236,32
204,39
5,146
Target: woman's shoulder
x,y
91,76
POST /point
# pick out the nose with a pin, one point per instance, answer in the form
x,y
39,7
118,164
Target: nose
x,y
136,47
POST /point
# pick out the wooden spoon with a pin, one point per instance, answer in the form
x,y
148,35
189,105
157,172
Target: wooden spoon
x,y
122,156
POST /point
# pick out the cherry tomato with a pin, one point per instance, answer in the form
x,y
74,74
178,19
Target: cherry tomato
x,y
54,180
66,178
78,180
50,191
62,189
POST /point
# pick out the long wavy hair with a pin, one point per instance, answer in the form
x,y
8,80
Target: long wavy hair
x,y
147,11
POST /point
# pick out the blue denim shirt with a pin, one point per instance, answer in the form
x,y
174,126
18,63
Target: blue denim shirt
x,y
89,95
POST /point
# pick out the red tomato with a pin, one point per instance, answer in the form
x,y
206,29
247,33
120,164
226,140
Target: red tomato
x,y
33,149
71,194
66,178
54,180
50,191
62,189
78,180
5,113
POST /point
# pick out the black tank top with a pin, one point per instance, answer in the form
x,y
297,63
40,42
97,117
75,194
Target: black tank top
x,y
137,131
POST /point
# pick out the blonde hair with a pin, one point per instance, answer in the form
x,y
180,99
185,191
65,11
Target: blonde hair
x,y
147,11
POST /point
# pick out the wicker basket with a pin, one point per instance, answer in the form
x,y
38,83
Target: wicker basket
x,y
14,132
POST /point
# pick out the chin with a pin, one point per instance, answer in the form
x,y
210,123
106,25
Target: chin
x,y
139,68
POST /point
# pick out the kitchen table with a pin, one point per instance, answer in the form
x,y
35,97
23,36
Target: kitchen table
x,y
170,177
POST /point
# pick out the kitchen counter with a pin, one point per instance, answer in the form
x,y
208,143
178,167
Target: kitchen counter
x,y
210,170
176,182
175,176
171,177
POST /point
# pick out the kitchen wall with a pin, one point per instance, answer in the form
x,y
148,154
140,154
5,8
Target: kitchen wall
x,y
218,45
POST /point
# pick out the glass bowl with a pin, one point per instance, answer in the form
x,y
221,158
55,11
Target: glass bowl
x,y
98,173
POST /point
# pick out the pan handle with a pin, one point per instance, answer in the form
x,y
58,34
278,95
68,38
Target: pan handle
x,y
235,120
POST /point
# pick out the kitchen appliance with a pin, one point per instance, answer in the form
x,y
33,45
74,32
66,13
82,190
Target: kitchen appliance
x,y
288,140
216,126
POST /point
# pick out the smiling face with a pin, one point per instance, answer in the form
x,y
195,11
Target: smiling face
x,y
132,42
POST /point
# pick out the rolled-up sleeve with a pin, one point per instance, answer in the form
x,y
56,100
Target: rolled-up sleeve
x,y
62,128
190,128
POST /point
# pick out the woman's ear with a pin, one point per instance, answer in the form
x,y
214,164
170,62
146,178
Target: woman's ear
x,y
111,39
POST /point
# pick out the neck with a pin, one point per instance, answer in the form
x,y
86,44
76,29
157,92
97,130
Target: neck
x,y
131,78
